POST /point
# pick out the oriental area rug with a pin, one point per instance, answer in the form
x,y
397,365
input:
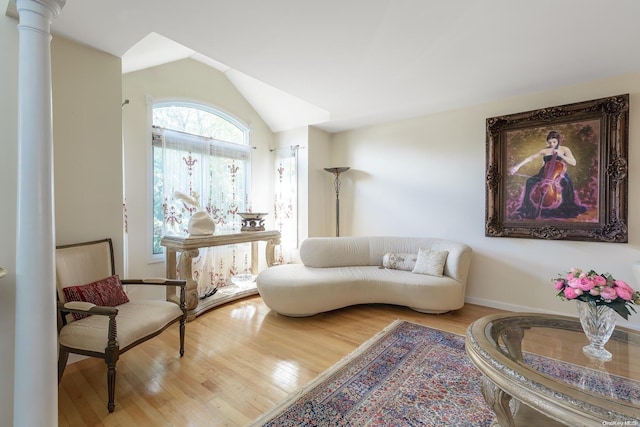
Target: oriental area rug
x,y
406,375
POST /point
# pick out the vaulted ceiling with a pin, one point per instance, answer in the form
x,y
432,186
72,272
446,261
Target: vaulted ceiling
x,y
343,64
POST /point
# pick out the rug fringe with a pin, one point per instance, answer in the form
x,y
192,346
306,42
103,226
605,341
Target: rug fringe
x,y
342,362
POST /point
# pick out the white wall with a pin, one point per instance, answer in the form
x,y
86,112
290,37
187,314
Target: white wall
x,y
186,80
426,176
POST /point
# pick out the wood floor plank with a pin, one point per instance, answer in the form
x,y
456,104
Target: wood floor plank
x,y
241,359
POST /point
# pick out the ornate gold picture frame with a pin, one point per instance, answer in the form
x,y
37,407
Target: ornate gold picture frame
x,y
559,173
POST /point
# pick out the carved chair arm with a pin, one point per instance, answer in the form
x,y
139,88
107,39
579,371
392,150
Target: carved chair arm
x,y
86,308
155,281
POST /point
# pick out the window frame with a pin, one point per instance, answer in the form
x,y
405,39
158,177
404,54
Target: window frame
x,y
215,110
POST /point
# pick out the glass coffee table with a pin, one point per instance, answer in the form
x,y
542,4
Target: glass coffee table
x,y
534,371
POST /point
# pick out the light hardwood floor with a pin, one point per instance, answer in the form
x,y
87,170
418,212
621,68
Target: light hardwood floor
x,y
240,360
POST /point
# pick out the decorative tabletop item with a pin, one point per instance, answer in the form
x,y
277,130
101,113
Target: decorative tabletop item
x,y
252,221
200,223
599,298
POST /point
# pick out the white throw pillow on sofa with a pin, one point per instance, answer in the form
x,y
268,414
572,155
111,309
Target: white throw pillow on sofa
x,y
430,262
399,261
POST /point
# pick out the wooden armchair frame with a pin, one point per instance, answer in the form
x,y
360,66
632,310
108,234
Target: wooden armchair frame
x,y
112,349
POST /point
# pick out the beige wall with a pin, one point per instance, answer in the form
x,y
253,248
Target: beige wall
x,y
87,157
321,199
87,135
425,177
186,80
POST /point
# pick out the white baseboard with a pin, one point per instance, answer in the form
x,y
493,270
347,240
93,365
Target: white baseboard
x,y
524,309
508,307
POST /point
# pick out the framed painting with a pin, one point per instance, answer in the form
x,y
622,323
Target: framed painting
x,y
559,173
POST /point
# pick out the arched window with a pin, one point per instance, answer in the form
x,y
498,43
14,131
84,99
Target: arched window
x,y
203,154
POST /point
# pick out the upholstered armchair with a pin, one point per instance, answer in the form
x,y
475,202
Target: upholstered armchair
x,y
96,318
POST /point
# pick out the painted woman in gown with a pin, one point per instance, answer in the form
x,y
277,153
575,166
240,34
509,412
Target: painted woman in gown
x,y
549,194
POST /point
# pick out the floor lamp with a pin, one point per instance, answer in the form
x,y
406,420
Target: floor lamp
x,y
336,184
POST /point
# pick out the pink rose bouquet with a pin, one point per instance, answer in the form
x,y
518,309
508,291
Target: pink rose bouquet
x,y
602,289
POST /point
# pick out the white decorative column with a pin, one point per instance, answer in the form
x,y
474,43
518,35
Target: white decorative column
x,y
35,390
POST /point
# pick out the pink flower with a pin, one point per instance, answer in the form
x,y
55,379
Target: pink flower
x,y
586,284
625,292
595,291
599,280
608,293
574,282
572,293
624,285
559,284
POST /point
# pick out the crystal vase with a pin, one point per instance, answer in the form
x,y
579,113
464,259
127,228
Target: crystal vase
x,y
598,323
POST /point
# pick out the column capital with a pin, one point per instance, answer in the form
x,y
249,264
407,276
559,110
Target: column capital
x,y
54,6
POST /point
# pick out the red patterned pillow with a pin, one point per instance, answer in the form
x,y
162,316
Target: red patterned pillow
x,y
106,292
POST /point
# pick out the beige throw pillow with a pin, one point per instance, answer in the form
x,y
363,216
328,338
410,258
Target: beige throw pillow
x,y
399,261
430,262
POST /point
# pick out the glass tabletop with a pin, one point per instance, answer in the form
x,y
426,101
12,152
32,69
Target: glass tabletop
x,y
552,347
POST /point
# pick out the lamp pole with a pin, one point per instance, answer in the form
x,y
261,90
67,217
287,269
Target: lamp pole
x,y
336,184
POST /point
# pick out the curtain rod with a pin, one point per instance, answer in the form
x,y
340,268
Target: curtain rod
x,y
291,147
158,130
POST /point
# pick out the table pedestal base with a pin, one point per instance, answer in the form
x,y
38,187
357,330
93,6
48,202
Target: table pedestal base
x,y
189,249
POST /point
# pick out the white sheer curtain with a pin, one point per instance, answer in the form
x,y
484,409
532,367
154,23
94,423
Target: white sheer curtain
x,y
216,174
285,206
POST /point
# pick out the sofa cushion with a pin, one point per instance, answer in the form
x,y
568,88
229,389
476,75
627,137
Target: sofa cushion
x,y
105,292
399,261
135,321
430,262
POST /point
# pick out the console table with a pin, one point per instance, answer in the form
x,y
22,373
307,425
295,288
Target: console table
x,y
534,368
189,249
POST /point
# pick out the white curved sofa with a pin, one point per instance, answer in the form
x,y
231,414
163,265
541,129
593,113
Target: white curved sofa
x,y
341,271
